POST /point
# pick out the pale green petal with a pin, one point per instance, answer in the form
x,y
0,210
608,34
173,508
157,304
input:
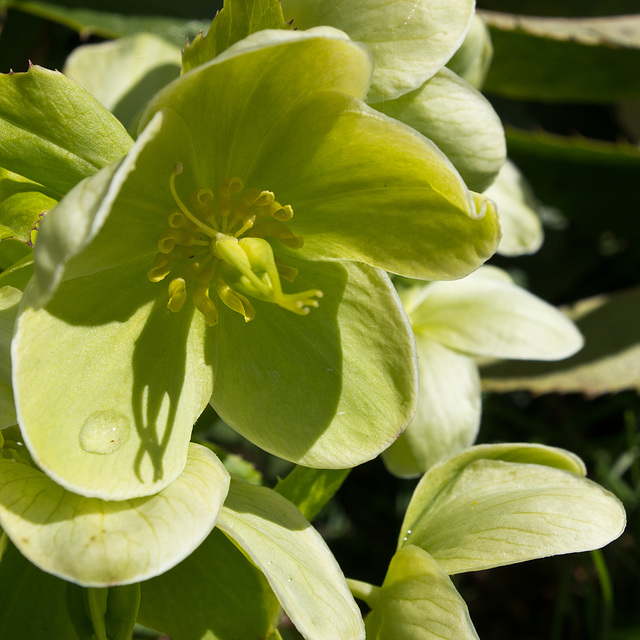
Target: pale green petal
x,y
215,593
366,187
448,415
295,560
495,513
473,59
460,120
9,301
71,226
115,217
331,389
105,401
487,316
124,74
244,96
437,478
96,543
517,207
410,40
418,602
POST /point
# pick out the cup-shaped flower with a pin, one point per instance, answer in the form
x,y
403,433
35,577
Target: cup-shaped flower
x,y
233,256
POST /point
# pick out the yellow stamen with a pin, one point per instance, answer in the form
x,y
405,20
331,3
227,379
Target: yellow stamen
x,y
222,240
177,294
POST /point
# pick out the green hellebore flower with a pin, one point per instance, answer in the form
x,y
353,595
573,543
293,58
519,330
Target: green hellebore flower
x,y
159,280
483,315
488,506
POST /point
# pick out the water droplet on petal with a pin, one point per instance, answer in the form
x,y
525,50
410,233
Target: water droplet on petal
x,y
104,432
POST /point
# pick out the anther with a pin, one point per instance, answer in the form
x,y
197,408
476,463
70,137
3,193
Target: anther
x,y
177,294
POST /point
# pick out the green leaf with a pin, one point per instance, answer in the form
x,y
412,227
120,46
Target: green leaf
x,y
12,251
236,20
19,273
103,614
170,20
522,231
410,41
485,314
460,120
311,489
576,59
418,601
96,543
609,362
214,594
23,204
24,590
474,512
9,300
448,415
125,74
295,560
54,133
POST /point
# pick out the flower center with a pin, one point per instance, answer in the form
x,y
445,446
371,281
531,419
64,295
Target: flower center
x,y
221,242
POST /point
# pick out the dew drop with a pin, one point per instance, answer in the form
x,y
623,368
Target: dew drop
x,y
104,432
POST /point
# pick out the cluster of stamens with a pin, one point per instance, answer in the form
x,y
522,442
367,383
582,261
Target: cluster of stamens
x,y
221,240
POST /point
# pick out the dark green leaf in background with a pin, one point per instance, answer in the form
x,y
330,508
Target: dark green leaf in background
x,y
33,602
561,59
609,362
215,594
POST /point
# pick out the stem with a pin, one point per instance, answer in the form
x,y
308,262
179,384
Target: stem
x,y
606,589
364,591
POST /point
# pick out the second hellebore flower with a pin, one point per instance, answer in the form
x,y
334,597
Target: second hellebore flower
x,y
233,257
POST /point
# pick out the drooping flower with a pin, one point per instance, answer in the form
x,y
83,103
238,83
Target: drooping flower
x,y
487,506
159,280
485,315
